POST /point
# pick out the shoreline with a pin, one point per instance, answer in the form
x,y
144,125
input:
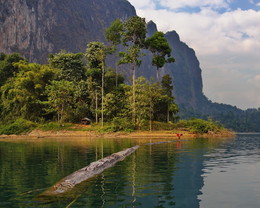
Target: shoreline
x,y
136,134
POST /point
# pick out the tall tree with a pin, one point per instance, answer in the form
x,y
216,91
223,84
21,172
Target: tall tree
x,y
160,49
116,105
167,86
154,95
167,89
147,95
133,37
94,94
114,34
61,97
96,55
141,102
111,78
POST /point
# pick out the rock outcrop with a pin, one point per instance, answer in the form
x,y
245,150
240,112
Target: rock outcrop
x,y
36,28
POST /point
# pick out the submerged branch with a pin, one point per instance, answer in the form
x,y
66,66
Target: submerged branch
x,y
95,168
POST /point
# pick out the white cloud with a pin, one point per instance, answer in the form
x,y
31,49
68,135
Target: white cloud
x,y
143,4
227,81
256,81
224,43
211,32
176,4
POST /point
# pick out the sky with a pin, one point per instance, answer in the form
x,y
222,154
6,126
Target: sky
x,y
225,35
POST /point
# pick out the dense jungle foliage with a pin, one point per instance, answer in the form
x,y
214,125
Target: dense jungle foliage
x,y
73,86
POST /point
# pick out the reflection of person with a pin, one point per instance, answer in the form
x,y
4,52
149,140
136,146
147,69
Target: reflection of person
x,y
178,145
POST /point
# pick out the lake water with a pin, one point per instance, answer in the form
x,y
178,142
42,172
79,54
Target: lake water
x,y
206,173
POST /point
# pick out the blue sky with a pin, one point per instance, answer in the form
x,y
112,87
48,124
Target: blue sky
x,y
189,6
226,37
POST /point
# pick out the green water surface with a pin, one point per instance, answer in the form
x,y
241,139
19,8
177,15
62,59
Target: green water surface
x,y
188,173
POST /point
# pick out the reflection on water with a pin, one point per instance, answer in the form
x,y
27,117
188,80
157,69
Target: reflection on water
x,y
190,173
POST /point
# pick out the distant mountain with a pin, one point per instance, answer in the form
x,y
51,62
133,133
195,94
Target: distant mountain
x,y
36,28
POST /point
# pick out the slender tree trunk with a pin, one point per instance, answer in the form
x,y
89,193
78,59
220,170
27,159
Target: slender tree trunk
x,y
103,190
102,95
133,82
133,180
151,116
96,108
96,152
59,112
62,112
157,74
116,74
168,114
58,117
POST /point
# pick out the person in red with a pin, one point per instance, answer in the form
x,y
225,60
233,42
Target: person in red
x,y
179,136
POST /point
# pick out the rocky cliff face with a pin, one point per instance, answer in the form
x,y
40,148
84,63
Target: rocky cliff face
x,y
185,71
36,28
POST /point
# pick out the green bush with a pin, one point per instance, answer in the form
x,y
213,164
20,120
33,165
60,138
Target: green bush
x,y
156,125
199,126
122,124
118,124
20,126
55,126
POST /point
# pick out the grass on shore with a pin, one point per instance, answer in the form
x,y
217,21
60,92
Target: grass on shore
x,y
195,126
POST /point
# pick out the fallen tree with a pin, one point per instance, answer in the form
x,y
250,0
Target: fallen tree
x,y
95,168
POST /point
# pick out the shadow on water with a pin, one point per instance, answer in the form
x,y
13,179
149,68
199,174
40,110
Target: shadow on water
x,y
165,174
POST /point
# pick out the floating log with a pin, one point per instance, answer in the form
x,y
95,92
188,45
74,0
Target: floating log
x,y
95,168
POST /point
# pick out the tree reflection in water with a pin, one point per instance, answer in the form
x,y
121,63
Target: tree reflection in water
x,y
160,175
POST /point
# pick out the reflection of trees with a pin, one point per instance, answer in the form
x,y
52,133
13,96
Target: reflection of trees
x,y
133,179
188,179
154,176
26,167
142,179
161,162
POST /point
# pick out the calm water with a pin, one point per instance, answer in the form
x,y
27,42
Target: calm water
x,y
205,173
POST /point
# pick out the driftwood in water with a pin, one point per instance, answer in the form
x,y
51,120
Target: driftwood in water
x,y
85,173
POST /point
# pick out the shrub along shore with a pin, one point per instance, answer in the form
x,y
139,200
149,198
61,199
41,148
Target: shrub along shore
x,y
185,128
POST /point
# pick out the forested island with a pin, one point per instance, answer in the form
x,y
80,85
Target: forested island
x,y
73,86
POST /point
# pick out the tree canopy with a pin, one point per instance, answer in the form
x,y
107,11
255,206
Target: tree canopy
x,y
76,85
160,49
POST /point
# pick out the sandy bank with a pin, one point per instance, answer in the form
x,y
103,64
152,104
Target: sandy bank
x,y
136,134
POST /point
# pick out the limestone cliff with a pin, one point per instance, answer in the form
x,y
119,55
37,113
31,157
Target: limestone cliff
x,y
185,71
36,28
